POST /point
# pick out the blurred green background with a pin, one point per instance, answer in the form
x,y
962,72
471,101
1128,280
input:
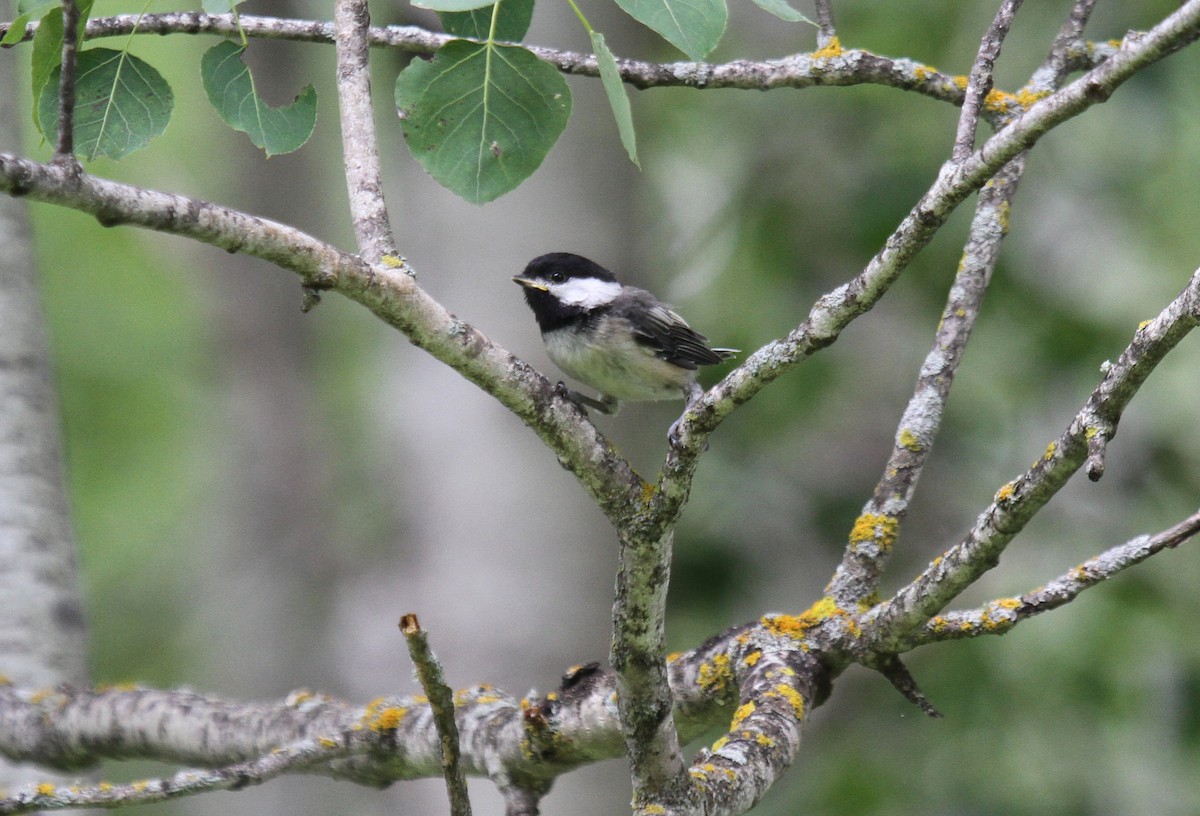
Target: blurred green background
x,y
259,494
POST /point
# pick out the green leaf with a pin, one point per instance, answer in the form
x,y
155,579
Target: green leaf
x,y
452,5
693,26
481,117
47,46
33,10
121,103
618,99
783,11
230,89
47,54
511,23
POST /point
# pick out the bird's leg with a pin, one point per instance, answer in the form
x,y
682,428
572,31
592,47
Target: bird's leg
x,y
605,405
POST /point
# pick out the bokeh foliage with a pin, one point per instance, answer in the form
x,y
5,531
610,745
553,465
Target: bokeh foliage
x,y
747,208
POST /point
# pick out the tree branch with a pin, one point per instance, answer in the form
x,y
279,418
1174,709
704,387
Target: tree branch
x,y
64,149
830,66
360,148
441,703
891,625
979,81
390,294
772,672
1001,615
297,756
875,532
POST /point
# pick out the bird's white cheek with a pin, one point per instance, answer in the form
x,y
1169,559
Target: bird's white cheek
x,y
587,293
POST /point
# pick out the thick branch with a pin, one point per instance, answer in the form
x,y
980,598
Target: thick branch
x,y
772,669
659,773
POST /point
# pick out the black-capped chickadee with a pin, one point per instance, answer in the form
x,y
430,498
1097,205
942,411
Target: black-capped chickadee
x,y
617,339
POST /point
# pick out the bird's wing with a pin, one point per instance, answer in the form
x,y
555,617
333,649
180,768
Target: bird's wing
x,y
674,340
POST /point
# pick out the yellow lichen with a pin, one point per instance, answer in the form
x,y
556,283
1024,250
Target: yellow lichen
x,y
764,741
831,50
1144,324
141,785
997,101
719,744
1009,603
1005,492
673,656
654,810
796,626
45,789
960,82
743,711
937,623
909,441
381,717
877,528
1050,449
327,742
752,658
1027,98
795,700
716,675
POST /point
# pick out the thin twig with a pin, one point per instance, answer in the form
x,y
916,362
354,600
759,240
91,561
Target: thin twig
x,y
875,532
64,149
1058,61
441,701
1001,615
279,761
360,147
979,82
850,67
826,30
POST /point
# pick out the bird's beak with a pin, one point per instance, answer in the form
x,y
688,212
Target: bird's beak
x,y
531,284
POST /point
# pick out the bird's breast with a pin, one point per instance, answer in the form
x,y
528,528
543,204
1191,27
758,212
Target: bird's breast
x,y
615,364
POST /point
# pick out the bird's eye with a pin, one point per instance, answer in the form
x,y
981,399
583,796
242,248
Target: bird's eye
x,y
557,277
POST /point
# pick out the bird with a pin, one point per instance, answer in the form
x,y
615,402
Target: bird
x,y
620,340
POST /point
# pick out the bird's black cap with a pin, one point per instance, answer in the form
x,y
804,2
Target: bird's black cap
x,y
560,266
